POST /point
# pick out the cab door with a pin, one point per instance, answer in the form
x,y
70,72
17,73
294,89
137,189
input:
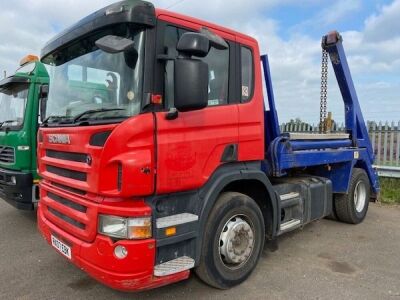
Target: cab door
x,y
194,144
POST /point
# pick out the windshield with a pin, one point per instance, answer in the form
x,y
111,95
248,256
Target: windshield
x,y
89,84
13,101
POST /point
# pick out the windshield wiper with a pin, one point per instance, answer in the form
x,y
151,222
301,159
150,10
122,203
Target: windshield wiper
x,y
6,122
54,119
93,111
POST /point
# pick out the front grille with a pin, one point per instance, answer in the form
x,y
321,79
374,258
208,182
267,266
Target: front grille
x,y
7,154
71,156
67,202
73,214
66,218
69,189
67,173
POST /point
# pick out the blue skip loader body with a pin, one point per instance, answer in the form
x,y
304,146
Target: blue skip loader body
x,y
341,153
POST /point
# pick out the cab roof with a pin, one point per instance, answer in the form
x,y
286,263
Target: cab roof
x,y
203,23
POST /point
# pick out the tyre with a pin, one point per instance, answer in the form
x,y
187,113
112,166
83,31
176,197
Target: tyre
x,y
233,241
352,207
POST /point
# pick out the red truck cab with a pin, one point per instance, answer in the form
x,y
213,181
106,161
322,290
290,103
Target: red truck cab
x,y
119,167
152,152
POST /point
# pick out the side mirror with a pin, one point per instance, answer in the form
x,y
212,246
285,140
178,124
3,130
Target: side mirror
x,y
44,92
191,75
114,44
191,84
193,44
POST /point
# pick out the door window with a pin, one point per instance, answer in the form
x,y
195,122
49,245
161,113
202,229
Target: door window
x,y
218,67
247,74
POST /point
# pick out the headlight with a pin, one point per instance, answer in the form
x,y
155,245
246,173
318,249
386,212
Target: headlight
x,y
125,228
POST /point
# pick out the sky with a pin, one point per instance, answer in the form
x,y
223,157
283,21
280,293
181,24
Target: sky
x,y
289,31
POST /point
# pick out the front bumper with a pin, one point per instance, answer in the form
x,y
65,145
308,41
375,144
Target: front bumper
x,y
134,273
20,195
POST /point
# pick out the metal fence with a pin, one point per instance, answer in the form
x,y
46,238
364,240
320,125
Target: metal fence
x,y
385,139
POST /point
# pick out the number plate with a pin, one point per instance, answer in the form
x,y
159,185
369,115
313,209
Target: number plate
x,y
61,247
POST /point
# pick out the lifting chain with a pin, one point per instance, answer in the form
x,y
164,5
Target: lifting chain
x,y
324,91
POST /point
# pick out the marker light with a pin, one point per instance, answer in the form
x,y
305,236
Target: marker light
x,y
23,148
27,59
170,231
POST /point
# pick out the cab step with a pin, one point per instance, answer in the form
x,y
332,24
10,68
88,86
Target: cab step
x,y
290,225
288,196
290,199
174,266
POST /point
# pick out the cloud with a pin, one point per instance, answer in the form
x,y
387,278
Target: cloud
x,y
331,14
385,24
373,52
25,28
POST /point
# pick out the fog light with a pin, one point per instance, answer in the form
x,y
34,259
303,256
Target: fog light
x,y
13,180
120,252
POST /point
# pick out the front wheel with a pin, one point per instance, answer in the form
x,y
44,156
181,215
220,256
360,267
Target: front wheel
x,y
232,242
352,207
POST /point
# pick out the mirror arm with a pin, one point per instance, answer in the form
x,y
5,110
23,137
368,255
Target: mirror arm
x,y
166,57
172,114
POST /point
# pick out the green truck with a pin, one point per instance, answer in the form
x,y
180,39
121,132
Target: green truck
x,y
20,97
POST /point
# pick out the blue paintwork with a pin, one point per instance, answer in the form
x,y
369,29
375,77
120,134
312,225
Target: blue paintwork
x,y
338,173
272,131
322,144
333,159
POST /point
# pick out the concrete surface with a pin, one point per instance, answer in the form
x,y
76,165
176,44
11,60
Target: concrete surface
x,y
325,260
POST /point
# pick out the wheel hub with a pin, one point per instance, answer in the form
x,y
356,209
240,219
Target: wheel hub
x,y
236,241
360,194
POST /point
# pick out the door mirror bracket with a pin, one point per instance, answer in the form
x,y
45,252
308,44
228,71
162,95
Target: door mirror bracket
x,y
172,114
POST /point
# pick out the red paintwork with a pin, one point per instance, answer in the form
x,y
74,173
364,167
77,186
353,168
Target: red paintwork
x,y
187,152
189,149
133,273
251,114
134,153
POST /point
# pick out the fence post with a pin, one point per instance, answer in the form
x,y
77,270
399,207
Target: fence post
x,y
373,138
379,160
398,144
391,143
385,142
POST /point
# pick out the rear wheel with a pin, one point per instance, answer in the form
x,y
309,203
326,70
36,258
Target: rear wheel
x,y
352,207
233,241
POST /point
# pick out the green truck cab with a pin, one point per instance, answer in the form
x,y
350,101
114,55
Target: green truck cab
x,y
20,96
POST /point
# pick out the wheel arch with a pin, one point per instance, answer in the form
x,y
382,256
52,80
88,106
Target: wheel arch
x,y
247,179
256,190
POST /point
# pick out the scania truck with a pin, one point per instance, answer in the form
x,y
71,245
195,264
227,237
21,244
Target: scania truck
x,y
19,102
160,154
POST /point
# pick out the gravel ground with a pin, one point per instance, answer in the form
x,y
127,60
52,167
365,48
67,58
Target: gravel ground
x,y
325,260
